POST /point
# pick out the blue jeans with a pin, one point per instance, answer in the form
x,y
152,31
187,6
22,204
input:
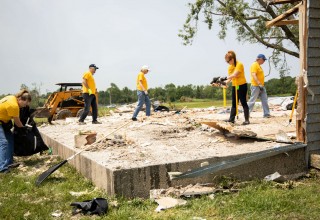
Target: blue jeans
x,y
256,93
142,99
6,149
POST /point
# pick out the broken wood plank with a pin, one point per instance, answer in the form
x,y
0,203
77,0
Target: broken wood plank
x,y
212,168
277,2
286,22
221,126
315,160
228,130
84,138
283,16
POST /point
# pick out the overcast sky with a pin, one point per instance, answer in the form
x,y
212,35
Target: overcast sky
x,y
45,41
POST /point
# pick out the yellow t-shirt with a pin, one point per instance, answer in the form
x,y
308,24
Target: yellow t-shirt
x,y
241,78
256,68
143,79
90,81
9,108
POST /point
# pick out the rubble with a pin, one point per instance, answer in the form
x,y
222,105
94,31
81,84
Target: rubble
x,y
168,202
177,192
166,136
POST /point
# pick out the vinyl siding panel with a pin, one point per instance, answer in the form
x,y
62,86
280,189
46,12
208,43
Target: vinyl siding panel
x,y
313,63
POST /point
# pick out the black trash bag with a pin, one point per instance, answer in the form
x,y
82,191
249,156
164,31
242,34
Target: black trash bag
x,y
161,108
97,206
27,140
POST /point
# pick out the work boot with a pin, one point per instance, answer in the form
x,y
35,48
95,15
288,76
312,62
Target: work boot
x,y
232,115
246,116
134,119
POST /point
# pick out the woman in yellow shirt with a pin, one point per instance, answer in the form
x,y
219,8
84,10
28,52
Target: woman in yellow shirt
x,y
239,85
9,109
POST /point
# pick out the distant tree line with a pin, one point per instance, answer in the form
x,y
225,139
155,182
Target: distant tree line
x,y
284,86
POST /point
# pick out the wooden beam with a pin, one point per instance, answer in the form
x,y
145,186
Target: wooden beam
x,y
302,107
283,16
286,22
277,2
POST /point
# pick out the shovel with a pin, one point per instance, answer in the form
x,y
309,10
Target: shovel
x,y
48,172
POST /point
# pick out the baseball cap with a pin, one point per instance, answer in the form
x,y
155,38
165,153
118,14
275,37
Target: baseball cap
x,y
93,65
145,67
261,56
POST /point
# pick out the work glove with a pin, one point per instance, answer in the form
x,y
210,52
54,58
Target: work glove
x,y
146,92
89,91
261,87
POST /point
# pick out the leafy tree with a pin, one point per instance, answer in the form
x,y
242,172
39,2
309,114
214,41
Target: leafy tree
x,y
114,93
248,19
127,95
187,91
283,86
171,92
158,93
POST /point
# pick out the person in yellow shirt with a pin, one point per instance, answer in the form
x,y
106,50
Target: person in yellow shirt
x,y
9,109
239,85
257,86
142,92
89,91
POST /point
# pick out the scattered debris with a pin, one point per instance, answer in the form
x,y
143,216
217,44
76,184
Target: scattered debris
x,y
57,213
27,214
77,194
168,202
114,204
177,192
315,160
282,136
211,196
275,177
84,138
221,126
198,218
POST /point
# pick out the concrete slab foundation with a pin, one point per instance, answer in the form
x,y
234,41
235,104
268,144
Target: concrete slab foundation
x,y
135,178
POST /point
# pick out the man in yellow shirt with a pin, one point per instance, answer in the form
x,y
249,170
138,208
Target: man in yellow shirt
x,y
89,95
142,92
9,109
257,86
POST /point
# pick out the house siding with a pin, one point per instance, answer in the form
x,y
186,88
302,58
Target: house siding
x,y
313,74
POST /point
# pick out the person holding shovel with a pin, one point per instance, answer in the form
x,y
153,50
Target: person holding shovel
x,y
257,86
239,87
142,92
9,109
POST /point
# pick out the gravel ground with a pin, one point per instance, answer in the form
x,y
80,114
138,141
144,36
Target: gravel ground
x,y
166,137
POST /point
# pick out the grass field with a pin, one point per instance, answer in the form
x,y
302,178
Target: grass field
x,y
21,199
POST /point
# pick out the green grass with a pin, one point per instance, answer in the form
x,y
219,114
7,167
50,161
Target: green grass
x,y
21,199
